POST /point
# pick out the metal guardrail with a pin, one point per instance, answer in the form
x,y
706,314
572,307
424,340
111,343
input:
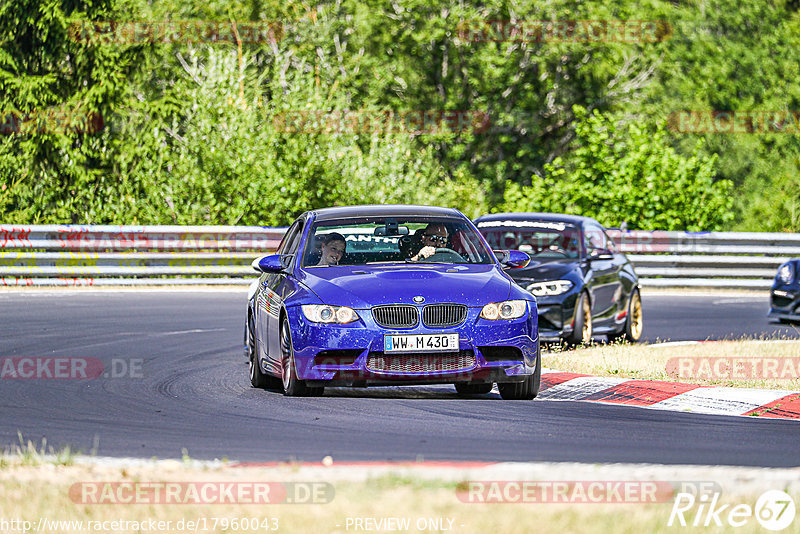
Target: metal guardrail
x,y
67,255
707,259
70,255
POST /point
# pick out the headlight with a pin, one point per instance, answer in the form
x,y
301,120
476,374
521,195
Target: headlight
x,y
510,309
786,273
322,313
555,287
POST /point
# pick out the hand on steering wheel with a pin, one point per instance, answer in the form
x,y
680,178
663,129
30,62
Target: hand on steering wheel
x,y
424,253
443,254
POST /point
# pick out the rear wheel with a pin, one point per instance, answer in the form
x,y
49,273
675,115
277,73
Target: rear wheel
x,y
292,386
463,388
634,323
582,328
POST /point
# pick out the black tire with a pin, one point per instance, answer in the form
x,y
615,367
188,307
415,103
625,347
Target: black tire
x,y
634,322
465,388
536,379
582,330
517,390
526,390
258,379
292,386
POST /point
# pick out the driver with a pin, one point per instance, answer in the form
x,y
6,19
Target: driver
x,y
434,236
333,248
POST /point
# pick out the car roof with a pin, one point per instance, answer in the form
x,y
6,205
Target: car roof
x,y
560,217
383,210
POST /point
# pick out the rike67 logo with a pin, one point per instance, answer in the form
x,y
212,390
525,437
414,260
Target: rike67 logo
x,y
774,510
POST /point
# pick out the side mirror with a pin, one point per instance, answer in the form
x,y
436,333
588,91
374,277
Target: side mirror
x,y
512,259
601,254
268,264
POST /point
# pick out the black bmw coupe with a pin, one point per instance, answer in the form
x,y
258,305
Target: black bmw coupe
x,y
583,285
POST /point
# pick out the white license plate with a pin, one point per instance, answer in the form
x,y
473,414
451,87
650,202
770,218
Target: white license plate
x,y
420,343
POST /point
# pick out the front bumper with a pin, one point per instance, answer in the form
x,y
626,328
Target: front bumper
x,y
352,354
784,303
556,316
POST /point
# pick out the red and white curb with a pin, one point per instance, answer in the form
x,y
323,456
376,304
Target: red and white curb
x,y
769,403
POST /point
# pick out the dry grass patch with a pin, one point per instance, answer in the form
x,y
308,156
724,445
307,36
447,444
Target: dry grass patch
x,y
34,492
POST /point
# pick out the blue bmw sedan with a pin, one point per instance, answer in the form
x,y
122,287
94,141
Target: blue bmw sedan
x,y
390,295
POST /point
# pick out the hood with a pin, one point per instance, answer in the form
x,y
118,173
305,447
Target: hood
x,y
365,286
554,269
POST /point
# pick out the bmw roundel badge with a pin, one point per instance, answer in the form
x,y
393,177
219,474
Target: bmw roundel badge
x,y
419,299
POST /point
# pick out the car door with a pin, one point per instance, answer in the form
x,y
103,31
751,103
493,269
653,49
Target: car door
x,y
275,290
604,285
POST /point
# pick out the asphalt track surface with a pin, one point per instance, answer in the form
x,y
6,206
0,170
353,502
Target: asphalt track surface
x,y
194,394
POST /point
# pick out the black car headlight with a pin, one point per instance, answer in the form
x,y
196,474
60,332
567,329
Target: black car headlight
x,y
509,309
786,273
553,287
322,313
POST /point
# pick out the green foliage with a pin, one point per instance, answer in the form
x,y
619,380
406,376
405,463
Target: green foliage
x,y
192,130
736,56
51,84
628,173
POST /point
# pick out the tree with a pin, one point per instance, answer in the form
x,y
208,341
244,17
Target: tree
x,y
628,173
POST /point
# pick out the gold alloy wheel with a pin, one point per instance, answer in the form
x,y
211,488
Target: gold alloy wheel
x,y
636,316
586,332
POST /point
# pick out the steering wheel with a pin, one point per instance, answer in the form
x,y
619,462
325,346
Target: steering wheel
x,y
558,250
445,255
553,246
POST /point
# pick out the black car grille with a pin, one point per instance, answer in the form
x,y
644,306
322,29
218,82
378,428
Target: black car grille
x,y
337,357
440,315
501,354
415,363
396,316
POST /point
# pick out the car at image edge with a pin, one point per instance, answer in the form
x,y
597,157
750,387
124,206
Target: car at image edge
x,y
785,293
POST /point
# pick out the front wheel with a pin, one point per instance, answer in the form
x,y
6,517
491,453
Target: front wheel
x,y
527,389
463,388
292,386
517,390
582,328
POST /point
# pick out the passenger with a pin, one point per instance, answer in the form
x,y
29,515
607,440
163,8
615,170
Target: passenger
x,y
434,236
333,248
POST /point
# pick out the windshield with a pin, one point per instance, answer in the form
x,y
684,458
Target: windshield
x,y
540,239
375,240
